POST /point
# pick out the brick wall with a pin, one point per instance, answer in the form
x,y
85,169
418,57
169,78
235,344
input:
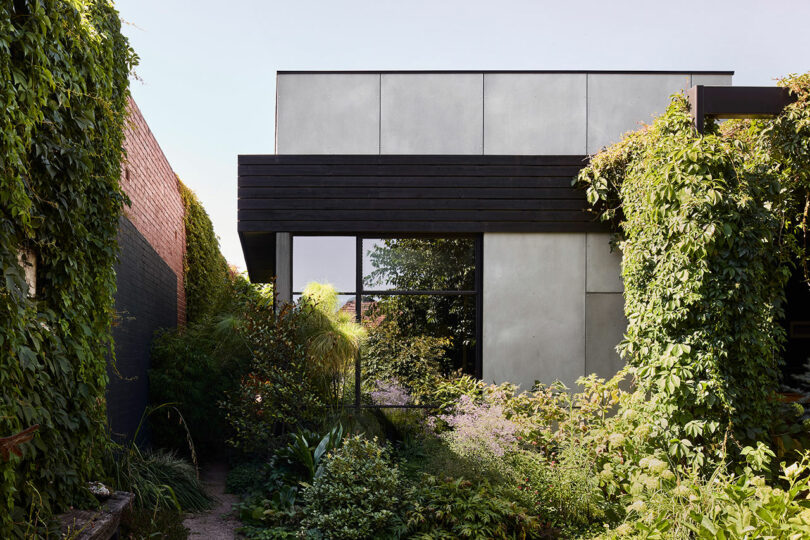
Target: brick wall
x,y
144,303
156,210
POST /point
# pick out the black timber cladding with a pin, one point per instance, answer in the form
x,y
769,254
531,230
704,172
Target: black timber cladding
x,y
404,194
411,194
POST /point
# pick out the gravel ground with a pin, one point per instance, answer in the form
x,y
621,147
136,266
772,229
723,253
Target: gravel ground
x,y
217,523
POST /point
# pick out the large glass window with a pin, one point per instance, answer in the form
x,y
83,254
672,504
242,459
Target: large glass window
x,y
422,295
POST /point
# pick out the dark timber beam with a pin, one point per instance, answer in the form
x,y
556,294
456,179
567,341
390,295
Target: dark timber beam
x,y
736,102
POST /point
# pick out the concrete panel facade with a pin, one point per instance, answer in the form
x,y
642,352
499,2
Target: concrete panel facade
x,y
535,113
520,113
283,286
605,325
604,265
540,321
707,79
618,103
328,114
534,307
432,113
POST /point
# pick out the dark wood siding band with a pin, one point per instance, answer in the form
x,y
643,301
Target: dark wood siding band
x,y
383,170
407,181
459,192
404,195
410,204
320,228
415,194
408,159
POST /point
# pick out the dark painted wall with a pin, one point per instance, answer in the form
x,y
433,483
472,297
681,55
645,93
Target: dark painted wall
x,y
146,301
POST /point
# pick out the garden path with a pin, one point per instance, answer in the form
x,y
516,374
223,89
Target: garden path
x,y
217,523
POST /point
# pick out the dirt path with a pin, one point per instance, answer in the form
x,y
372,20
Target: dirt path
x,y
217,523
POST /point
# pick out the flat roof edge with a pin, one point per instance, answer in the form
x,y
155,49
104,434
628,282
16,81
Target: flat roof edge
x,y
517,71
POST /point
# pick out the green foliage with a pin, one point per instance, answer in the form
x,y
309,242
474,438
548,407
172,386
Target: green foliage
x,y
308,458
160,480
723,506
194,368
143,524
356,496
64,70
429,264
457,508
415,362
278,395
332,339
709,227
205,270
249,477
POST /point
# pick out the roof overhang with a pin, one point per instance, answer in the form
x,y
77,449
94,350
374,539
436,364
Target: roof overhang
x,y
736,102
403,195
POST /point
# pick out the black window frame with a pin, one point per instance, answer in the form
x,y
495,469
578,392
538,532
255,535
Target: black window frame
x,y
360,291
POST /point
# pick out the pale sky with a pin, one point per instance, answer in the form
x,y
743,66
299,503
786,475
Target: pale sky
x,y
206,79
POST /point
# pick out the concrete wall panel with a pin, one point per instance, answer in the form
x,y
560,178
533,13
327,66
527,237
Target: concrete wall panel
x,y
534,307
605,325
604,266
328,114
711,80
618,103
534,113
432,113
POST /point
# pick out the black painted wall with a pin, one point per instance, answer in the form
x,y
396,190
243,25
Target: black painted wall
x,y
146,301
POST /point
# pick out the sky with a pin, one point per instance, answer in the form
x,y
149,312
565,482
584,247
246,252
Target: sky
x,y
206,79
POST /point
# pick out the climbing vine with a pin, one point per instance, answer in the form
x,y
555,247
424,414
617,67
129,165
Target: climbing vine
x,y
206,274
709,227
64,68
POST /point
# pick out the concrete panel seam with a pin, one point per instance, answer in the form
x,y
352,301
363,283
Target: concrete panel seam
x,y
483,114
585,309
587,111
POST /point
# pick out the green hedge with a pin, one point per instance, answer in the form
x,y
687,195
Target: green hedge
x,y
64,68
207,278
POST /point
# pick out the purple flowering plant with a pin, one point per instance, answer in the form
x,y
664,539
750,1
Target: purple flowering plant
x,y
390,393
480,430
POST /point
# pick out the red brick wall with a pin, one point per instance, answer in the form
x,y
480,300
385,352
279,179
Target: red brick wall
x,y
156,209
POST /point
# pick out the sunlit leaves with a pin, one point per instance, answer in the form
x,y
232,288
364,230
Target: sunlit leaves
x,y
709,226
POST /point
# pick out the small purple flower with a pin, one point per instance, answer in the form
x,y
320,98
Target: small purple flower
x,y
481,427
390,393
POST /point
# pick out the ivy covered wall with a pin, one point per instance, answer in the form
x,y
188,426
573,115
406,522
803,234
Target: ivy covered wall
x,y
64,69
710,227
206,274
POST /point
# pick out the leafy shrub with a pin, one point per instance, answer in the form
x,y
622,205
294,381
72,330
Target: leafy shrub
x,y
356,496
306,459
250,477
413,362
194,368
278,395
457,508
720,506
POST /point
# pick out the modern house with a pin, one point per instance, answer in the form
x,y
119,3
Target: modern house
x,y
488,156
